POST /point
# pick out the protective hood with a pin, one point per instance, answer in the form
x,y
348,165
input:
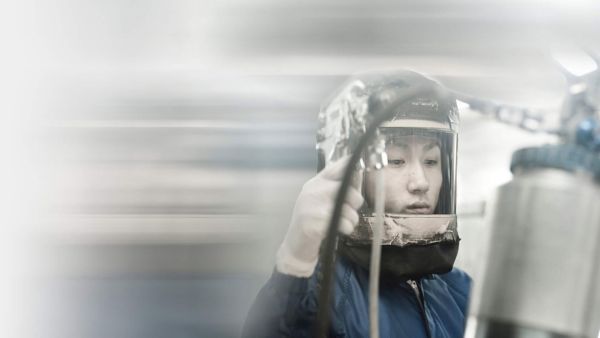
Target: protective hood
x,y
420,228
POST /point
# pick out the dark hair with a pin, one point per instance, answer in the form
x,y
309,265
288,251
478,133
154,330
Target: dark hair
x,y
445,204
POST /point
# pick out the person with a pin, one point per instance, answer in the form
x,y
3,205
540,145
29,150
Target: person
x,y
420,293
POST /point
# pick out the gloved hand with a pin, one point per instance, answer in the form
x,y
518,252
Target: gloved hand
x,y
298,254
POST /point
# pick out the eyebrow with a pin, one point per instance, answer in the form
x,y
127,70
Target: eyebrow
x,y
430,146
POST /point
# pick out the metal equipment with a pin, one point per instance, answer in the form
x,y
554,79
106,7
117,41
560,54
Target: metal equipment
x,y
542,276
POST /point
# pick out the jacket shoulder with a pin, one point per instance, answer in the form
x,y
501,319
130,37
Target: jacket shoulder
x,y
458,280
458,285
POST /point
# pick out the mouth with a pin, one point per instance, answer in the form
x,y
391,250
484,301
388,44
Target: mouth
x,y
418,208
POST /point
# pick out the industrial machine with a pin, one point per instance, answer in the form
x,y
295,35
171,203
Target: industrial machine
x,y
542,274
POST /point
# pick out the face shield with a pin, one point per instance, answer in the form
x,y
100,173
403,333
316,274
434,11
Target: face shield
x,y
420,229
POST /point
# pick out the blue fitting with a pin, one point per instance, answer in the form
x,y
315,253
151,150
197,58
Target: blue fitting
x,y
587,134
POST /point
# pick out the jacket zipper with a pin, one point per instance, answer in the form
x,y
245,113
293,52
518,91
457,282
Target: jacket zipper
x,y
417,290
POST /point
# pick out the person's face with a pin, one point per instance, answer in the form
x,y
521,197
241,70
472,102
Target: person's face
x,y
413,176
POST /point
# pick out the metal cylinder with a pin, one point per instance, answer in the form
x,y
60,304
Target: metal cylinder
x,y
542,277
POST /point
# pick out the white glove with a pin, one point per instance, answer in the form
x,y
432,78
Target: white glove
x,y
299,252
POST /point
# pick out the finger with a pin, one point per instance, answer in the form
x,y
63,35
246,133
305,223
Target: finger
x,y
354,198
335,170
350,214
346,226
315,231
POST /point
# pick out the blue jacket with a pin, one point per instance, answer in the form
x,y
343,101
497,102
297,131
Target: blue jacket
x,y
286,306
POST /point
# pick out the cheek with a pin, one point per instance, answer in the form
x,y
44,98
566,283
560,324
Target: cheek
x,y
435,180
395,183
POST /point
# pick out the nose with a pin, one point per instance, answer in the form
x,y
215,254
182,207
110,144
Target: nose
x,y
417,181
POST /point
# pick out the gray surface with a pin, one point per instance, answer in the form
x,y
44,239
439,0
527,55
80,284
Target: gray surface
x,y
150,307
543,255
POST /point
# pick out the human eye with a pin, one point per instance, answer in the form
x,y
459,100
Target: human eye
x,y
431,162
396,162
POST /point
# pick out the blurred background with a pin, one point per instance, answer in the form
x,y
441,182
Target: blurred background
x,y
153,150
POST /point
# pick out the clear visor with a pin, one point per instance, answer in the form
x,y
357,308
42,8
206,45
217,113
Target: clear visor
x,y
420,185
420,174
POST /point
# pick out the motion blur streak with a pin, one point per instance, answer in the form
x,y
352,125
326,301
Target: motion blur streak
x,y
154,149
